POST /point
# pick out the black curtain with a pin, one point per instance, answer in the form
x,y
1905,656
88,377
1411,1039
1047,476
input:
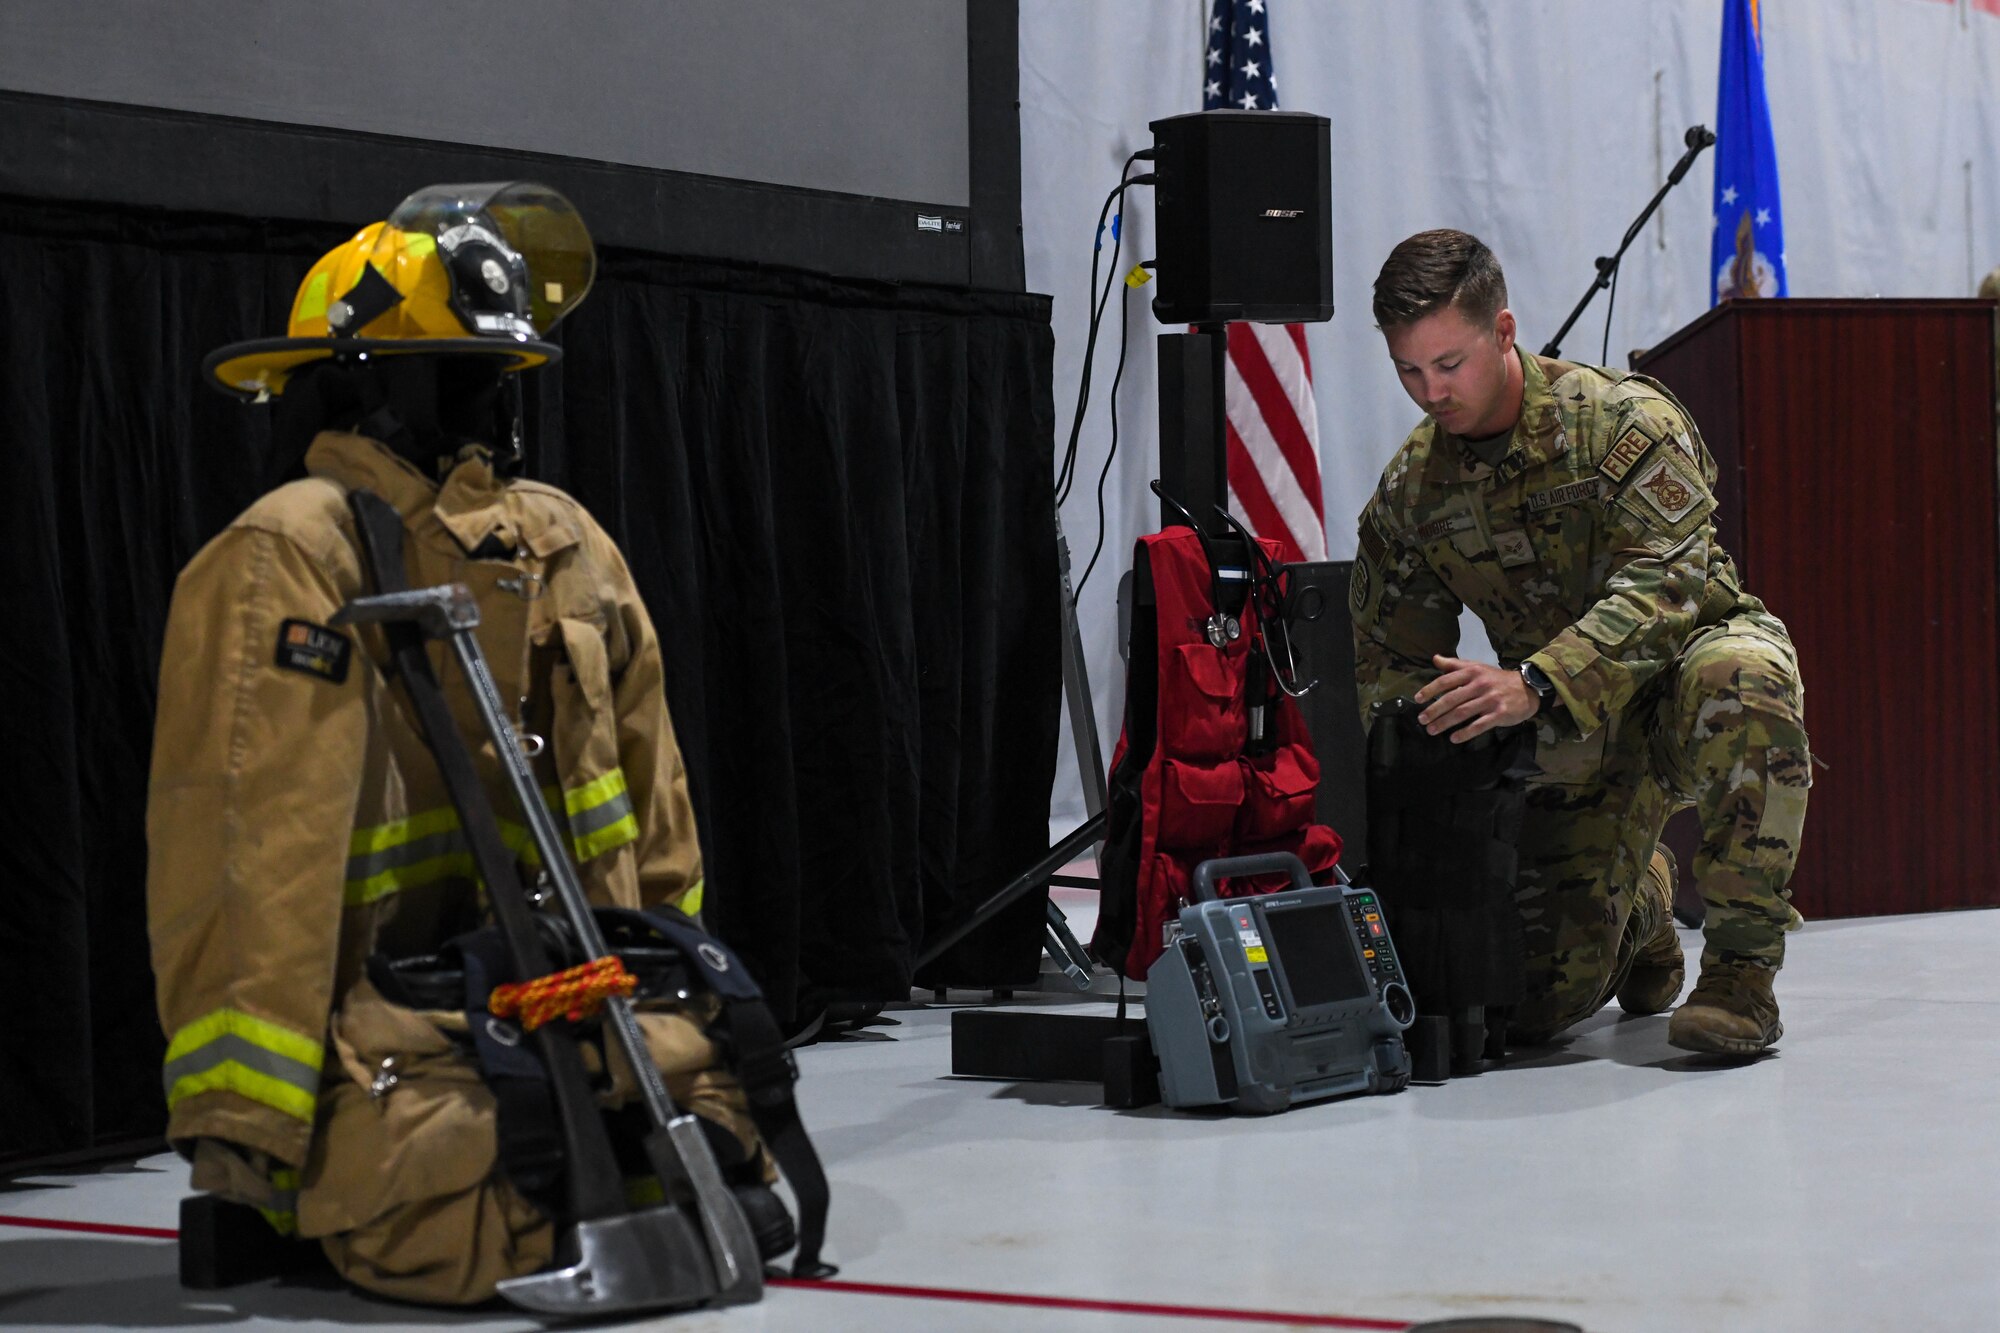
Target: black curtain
x,y
834,497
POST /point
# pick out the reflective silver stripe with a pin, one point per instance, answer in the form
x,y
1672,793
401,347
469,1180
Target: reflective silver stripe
x,y
230,1046
586,822
369,864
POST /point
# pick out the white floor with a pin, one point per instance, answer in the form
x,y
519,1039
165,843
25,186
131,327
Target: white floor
x,y
1851,1181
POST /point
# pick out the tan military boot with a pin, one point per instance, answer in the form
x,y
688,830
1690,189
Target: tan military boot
x,y
1658,969
1730,1012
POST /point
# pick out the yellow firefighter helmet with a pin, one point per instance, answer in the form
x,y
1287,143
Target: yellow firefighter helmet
x,y
481,270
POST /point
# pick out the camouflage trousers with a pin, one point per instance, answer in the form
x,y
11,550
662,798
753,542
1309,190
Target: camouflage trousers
x,y
1722,730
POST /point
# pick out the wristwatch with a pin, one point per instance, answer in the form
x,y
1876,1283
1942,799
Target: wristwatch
x,y
1538,680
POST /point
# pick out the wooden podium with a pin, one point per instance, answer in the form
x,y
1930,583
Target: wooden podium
x,y
1856,443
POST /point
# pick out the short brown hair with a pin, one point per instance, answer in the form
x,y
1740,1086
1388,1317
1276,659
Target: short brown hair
x,y
1435,269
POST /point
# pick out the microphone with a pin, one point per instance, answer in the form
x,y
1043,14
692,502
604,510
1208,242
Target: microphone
x,y
1697,138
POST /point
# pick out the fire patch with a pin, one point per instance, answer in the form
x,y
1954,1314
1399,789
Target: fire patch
x,y
1625,454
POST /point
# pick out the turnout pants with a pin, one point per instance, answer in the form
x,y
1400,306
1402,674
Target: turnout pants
x,y
1722,730
404,1188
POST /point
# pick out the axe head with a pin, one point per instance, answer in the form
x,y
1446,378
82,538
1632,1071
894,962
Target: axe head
x,y
439,612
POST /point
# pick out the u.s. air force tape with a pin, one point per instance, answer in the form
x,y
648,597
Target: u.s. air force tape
x,y
314,650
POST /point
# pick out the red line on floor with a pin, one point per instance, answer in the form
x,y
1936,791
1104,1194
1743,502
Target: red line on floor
x,y
1105,1307
964,1294
94,1228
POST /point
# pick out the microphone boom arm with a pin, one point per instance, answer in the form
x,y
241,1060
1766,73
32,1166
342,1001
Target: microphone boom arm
x,y
1697,138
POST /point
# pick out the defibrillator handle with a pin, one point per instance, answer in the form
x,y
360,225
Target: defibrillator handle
x,y
1231,867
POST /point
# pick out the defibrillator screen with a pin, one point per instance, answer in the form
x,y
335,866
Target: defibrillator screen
x,y
1316,950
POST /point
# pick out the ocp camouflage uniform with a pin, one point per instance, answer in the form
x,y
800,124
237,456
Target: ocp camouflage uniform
x,y
1589,550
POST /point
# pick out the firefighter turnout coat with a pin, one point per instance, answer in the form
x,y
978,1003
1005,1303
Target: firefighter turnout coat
x,y
296,820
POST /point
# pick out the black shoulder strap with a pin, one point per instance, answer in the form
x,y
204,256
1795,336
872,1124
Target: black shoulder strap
x,y
766,1070
528,1133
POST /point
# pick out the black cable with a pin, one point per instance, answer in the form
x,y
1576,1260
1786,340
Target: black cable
x,y
1101,299
1066,478
1610,304
1091,304
1124,342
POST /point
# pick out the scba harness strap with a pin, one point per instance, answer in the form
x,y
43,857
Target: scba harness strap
x,y
665,949
669,955
751,1041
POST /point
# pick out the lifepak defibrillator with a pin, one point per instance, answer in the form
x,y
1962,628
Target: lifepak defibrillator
x,y
1262,1001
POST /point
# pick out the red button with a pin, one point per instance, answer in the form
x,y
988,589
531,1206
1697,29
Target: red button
x,y
1375,929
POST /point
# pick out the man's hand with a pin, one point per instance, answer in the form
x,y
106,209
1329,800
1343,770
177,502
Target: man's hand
x,y
1474,698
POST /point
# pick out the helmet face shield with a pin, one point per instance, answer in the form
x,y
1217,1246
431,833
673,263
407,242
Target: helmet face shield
x,y
519,256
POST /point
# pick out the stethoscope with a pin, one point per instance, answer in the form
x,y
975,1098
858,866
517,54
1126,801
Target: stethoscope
x,y
1276,609
1221,629
1267,599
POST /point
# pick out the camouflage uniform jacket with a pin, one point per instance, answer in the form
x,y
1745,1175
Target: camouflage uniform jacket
x,y
1589,550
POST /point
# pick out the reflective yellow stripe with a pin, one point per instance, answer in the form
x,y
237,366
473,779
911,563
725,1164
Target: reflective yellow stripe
x,y
244,1081
375,869
691,900
594,793
520,840
359,892
381,837
231,1051
284,1215
234,1022
610,836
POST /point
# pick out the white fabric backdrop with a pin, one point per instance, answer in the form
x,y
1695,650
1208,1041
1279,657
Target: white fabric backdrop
x,y
1542,126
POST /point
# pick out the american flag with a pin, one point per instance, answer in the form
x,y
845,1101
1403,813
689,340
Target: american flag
x,y
1273,421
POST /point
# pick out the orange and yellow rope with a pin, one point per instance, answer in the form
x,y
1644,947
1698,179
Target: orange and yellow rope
x,y
575,993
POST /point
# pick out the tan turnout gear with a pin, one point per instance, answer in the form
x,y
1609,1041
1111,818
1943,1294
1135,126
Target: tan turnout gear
x,y
297,823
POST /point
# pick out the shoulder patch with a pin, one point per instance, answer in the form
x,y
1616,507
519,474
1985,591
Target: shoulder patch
x,y
1361,588
1667,494
314,650
1373,544
1625,454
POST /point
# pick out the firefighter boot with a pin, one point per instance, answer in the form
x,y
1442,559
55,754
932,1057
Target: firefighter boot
x,y
1730,1012
1654,981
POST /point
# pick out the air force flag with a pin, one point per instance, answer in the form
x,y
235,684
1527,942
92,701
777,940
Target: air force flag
x,y
1747,254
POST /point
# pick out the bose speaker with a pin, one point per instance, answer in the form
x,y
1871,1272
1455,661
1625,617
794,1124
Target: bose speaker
x,y
1243,211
